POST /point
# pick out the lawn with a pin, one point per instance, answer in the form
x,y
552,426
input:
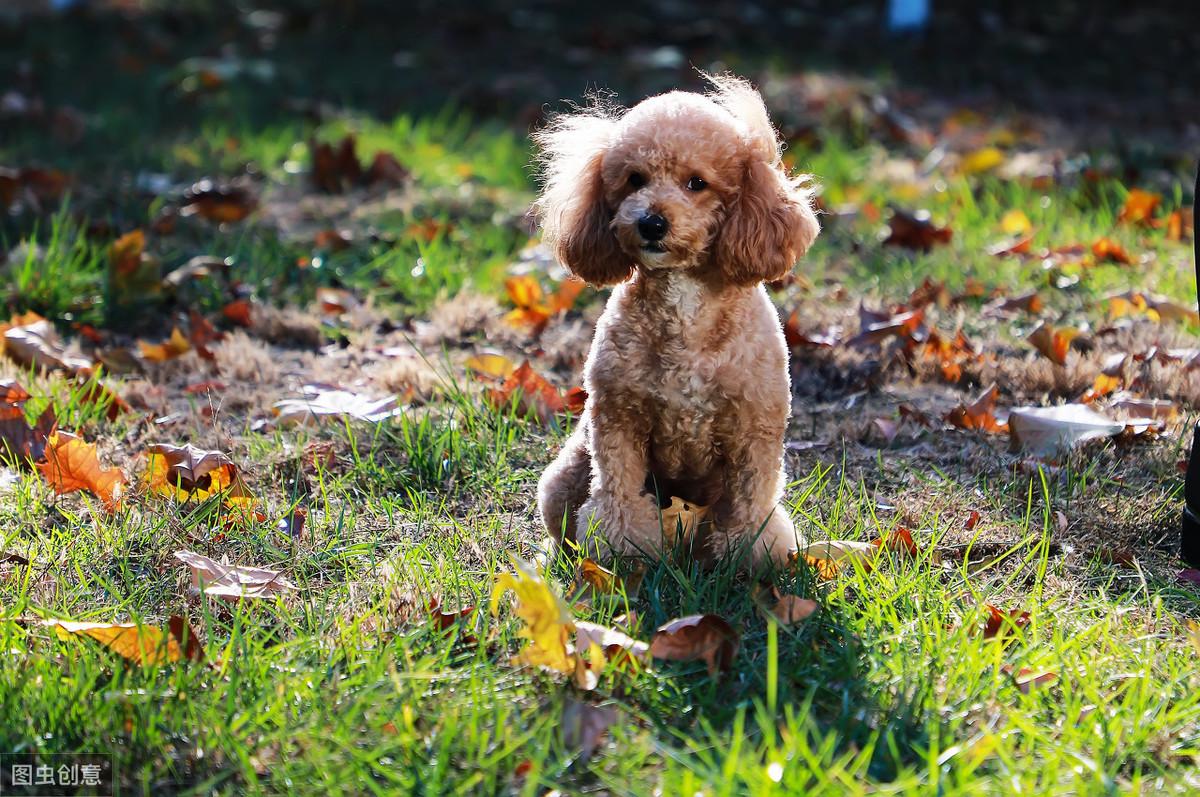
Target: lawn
x,y
337,195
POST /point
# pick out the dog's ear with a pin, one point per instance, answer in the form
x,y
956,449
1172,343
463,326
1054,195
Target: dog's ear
x,y
770,223
575,220
768,226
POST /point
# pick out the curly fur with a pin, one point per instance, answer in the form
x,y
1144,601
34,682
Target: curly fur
x,y
687,375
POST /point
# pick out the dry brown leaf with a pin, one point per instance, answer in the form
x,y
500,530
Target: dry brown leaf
x,y
1106,250
220,204
583,726
785,609
230,582
531,391
1027,680
35,343
1001,623
704,637
329,401
915,231
72,465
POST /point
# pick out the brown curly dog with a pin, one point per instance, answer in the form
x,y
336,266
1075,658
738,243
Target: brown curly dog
x,y
684,204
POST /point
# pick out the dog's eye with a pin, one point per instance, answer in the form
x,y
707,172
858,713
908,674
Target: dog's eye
x,y
696,183
637,179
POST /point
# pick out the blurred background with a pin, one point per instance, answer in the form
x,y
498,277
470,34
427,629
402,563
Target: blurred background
x,y
124,105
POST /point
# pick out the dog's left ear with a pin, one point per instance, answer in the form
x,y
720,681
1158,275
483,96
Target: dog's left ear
x,y
770,222
769,225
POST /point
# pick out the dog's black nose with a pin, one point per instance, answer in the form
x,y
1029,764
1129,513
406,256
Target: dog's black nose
x,y
652,226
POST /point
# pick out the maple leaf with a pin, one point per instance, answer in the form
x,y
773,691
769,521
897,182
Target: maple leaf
x,y
531,391
547,622
72,465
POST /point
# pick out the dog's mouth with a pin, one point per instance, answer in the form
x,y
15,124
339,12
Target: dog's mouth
x,y
654,246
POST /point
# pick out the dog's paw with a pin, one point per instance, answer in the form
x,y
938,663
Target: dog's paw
x,y
629,527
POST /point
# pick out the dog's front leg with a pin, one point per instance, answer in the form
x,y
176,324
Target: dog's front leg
x,y
750,505
618,506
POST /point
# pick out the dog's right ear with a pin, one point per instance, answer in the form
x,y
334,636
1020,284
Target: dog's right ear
x,y
575,220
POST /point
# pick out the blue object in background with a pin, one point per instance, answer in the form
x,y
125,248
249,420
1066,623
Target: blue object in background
x,y
907,14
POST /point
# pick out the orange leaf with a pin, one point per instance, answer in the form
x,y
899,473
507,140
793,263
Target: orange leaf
x,y
980,415
533,393
524,291
175,346
1053,343
71,465
140,644
238,311
125,253
1139,207
1106,250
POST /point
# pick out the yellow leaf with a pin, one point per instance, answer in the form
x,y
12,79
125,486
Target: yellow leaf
x,y
548,625
524,291
175,346
496,366
1139,206
681,519
827,558
1015,222
141,644
981,160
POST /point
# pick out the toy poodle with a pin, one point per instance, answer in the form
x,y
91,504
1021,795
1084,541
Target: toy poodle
x,y
683,203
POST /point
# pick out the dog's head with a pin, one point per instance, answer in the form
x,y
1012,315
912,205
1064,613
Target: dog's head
x,y
680,181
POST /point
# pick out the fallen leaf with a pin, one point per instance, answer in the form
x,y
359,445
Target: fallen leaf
x,y
175,346
496,366
786,609
230,582
1002,624
681,519
531,391
706,637
1015,222
979,415
33,343
898,539
547,623
591,576
1043,431
915,231
984,159
1051,343
19,440
445,620
1106,250
72,465
876,326
336,301
240,312
328,401
1139,207
220,204
186,473
828,558
141,644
